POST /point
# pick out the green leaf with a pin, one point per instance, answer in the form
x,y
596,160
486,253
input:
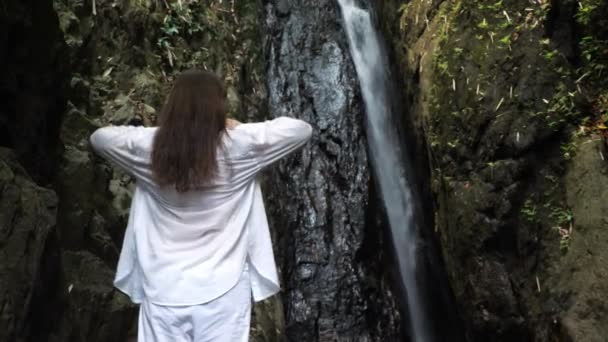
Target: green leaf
x,y
483,24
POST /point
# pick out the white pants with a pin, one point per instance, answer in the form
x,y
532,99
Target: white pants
x,y
225,319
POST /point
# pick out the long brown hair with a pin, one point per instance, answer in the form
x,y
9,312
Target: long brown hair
x,y
191,126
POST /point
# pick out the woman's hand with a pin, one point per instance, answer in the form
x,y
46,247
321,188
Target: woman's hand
x,y
232,123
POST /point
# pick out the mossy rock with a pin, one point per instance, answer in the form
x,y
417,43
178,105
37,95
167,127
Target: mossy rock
x,y
27,248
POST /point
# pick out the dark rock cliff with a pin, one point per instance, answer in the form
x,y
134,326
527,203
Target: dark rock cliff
x,y
320,200
33,85
27,247
507,102
506,108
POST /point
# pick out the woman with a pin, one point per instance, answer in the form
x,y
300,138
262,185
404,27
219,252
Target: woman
x,y
197,245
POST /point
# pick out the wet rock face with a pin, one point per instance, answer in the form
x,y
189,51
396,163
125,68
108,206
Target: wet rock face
x,y
33,83
318,198
29,267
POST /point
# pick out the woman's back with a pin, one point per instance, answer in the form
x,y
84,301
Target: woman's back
x,y
197,236
190,247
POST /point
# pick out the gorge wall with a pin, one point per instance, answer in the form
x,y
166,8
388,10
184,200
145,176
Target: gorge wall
x,y
330,244
507,107
72,66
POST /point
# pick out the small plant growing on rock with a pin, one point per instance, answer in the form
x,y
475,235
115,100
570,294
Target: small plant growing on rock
x,y
564,220
568,149
179,20
529,211
585,10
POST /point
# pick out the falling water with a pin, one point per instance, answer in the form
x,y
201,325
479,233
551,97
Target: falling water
x,y
386,156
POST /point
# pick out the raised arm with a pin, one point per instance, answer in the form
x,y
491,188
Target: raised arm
x,y
117,145
277,138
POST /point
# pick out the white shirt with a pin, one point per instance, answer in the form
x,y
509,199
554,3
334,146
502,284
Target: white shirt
x,y
190,248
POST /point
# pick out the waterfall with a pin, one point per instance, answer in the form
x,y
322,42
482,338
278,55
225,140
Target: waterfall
x,y
386,156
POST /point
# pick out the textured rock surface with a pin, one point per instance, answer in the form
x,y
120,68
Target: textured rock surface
x,y
92,310
319,198
583,274
495,91
29,265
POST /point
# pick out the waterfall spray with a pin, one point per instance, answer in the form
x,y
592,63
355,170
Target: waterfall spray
x,y
386,157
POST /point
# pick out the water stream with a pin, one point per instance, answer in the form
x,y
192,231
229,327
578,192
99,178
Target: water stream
x,y
387,158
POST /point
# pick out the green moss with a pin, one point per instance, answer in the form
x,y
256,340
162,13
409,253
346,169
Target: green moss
x,y
499,101
529,211
591,76
587,11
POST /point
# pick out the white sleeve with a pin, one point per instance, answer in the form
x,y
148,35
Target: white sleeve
x,y
274,139
117,145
